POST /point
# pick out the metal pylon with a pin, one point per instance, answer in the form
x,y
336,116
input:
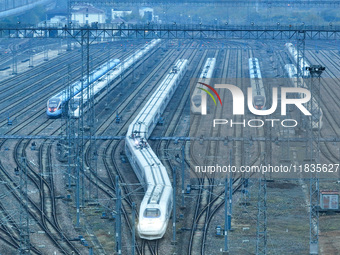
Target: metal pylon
x,y
261,229
71,132
31,57
24,231
89,115
300,49
90,120
118,226
285,145
14,61
45,53
89,89
79,155
69,20
245,176
314,135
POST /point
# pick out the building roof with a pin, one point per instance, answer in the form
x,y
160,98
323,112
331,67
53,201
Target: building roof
x,y
88,10
145,8
121,10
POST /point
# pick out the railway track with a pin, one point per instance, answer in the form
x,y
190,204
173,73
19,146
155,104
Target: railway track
x,y
174,116
25,48
329,113
109,157
33,208
212,148
111,147
24,82
207,206
45,187
116,149
206,184
39,115
210,208
42,128
12,232
106,187
54,65
204,210
42,93
112,156
46,208
149,247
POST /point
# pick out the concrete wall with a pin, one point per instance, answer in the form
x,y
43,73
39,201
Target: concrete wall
x,y
81,18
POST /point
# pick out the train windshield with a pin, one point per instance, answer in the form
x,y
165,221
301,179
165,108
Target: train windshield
x,y
74,104
53,102
152,213
258,100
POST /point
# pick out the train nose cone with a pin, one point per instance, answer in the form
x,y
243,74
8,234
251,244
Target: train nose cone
x,y
151,226
152,230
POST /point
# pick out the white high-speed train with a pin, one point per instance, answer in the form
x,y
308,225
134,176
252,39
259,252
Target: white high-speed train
x,y
303,63
99,79
196,98
101,84
258,92
56,104
155,209
316,112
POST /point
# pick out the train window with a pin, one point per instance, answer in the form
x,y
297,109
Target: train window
x,y
138,168
169,207
128,151
54,102
151,122
152,213
74,104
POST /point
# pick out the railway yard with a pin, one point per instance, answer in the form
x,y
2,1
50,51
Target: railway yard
x,y
67,208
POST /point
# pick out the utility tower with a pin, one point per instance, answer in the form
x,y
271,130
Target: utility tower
x,y
24,231
300,61
314,146
90,121
261,229
71,132
69,22
14,59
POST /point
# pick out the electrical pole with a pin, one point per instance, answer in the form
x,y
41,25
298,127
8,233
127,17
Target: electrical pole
x,y
261,229
69,22
183,175
90,117
133,227
118,218
24,231
174,208
230,193
14,60
31,64
226,224
80,137
314,135
70,131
